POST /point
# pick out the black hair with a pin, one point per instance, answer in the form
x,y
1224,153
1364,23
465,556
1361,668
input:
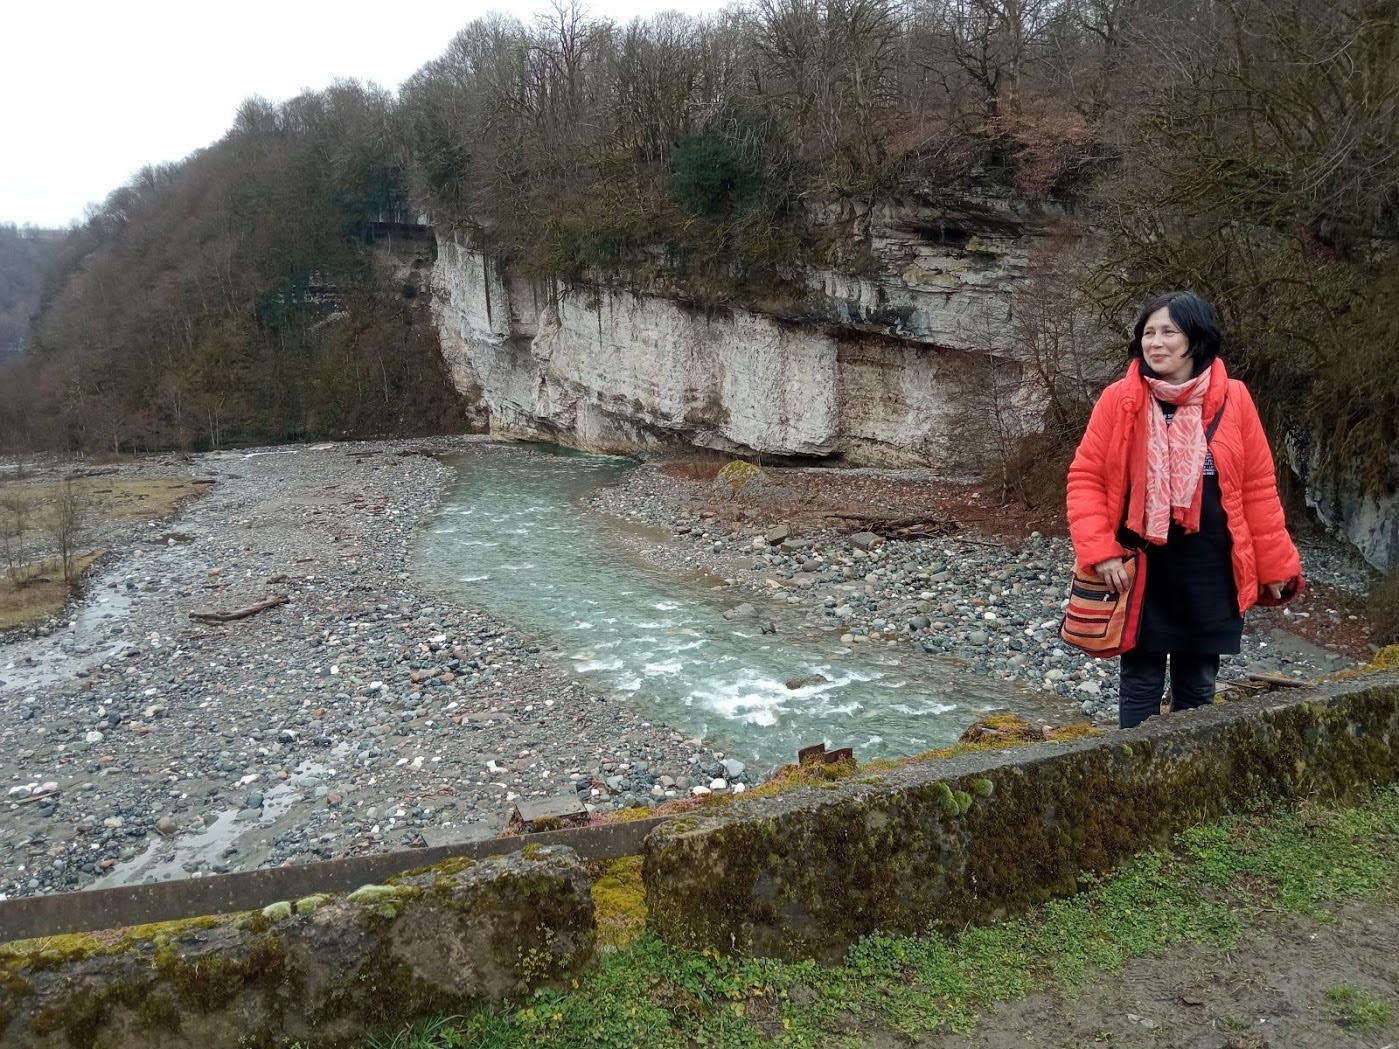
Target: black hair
x,y
1194,316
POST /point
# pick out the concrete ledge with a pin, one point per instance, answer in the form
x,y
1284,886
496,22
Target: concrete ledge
x,y
970,839
323,970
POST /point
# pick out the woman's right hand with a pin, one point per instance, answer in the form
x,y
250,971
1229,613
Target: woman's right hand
x,y
1114,574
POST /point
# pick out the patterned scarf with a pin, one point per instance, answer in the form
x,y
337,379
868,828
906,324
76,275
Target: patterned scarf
x,y
1175,456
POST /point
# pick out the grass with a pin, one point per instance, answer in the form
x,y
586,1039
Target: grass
x,y
1356,1009
1305,860
154,497
42,594
33,590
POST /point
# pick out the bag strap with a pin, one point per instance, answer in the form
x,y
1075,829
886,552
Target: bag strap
x,y
1214,423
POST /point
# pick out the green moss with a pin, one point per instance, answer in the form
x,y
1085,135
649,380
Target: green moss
x,y
278,911
1386,658
53,952
739,473
447,868
983,788
307,904
619,900
533,851
964,801
381,894
946,800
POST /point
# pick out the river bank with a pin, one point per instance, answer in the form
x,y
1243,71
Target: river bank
x,y
366,715
137,743
987,587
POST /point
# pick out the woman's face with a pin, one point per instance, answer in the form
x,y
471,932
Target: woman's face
x,y
1167,348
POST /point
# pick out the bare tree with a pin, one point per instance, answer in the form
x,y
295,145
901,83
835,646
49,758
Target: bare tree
x,y
14,529
992,42
68,524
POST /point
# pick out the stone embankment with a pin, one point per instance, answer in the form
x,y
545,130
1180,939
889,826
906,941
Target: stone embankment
x,y
944,844
360,716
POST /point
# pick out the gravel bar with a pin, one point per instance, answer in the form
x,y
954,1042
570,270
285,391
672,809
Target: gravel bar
x,y
139,744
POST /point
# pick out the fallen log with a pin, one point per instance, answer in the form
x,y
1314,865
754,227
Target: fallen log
x,y
241,613
42,795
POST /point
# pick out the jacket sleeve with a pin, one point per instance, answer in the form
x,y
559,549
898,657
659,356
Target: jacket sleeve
x,y
1275,554
1092,523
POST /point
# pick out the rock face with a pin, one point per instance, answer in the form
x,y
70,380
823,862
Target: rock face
x,y
863,375
937,272
1370,521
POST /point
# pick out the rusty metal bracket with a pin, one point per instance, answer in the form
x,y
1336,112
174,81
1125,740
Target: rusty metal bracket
x,y
817,753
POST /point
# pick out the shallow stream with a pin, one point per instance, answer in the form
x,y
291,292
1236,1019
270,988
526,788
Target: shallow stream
x,y
514,538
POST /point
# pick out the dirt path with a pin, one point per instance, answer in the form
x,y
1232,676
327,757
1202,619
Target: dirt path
x,y
1296,984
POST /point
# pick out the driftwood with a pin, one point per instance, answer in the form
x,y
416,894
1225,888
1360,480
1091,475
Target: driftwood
x,y
1278,681
37,797
1253,684
899,527
242,613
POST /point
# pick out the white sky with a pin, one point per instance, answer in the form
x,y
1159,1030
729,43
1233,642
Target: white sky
x,y
92,90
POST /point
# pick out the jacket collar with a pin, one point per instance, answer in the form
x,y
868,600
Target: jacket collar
x,y
1137,390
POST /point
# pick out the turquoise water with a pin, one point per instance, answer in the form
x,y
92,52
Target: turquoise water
x,y
513,538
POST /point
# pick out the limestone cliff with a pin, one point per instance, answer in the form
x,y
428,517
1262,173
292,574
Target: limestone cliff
x,y
863,373
1369,521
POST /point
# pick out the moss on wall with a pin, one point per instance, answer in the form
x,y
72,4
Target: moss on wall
x,y
805,873
324,970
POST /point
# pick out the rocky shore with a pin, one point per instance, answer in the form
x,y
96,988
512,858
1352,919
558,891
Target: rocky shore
x,y
138,743
987,594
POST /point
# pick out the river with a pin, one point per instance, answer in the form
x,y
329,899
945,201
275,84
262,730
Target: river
x,y
514,538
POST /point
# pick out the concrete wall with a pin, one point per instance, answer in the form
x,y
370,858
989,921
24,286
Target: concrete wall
x,y
326,970
941,844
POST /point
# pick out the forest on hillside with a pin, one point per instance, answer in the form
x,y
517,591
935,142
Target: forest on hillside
x,y
26,257
1245,148
232,298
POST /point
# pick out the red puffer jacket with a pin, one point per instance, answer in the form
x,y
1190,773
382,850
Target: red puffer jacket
x,y
1112,456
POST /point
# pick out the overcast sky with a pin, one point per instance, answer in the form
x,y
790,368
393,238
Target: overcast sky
x,y
92,90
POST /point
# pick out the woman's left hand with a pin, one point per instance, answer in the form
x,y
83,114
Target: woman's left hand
x,y
1275,590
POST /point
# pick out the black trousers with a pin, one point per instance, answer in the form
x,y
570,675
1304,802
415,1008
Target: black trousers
x,y
1144,678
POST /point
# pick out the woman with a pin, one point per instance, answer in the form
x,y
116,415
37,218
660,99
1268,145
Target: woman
x,y
1175,462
